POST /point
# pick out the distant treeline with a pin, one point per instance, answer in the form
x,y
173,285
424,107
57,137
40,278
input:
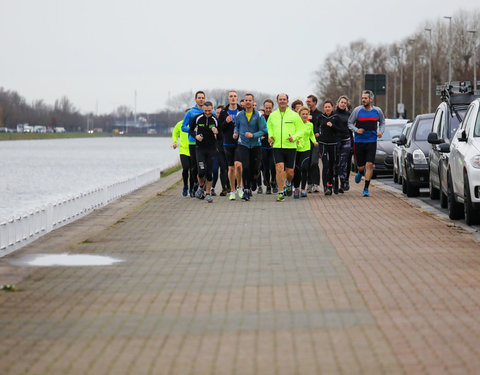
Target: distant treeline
x,y
14,110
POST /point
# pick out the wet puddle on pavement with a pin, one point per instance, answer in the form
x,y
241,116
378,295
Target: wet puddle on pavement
x,y
65,260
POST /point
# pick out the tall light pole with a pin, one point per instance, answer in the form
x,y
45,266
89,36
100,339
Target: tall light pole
x,y
474,34
413,77
422,59
401,74
429,70
449,47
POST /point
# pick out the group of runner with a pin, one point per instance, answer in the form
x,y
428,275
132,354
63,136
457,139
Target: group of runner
x,y
241,143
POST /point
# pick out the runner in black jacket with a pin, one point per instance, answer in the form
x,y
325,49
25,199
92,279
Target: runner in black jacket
x,y
344,145
204,128
328,145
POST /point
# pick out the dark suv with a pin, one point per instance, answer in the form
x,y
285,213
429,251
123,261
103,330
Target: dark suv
x,y
456,96
414,156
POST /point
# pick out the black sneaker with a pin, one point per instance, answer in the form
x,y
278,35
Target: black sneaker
x,y
275,188
346,186
269,190
224,193
260,190
246,194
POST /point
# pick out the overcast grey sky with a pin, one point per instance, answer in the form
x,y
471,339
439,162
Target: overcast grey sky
x,y
103,50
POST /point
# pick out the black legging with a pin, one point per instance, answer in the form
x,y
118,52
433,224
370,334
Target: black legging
x,y
328,153
185,160
250,158
314,170
302,165
193,162
268,167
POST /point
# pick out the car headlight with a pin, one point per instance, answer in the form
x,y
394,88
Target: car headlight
x,y
419,157
381,152
475,161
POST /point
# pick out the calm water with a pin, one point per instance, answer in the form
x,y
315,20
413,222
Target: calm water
x,y
37,172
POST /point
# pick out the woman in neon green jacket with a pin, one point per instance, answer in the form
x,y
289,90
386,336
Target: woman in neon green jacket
x,y
302,162
185,159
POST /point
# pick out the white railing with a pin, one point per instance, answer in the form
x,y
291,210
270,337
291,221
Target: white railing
x,y
23,229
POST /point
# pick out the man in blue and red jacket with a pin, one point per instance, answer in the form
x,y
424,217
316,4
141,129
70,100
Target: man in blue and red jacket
x,y
368,123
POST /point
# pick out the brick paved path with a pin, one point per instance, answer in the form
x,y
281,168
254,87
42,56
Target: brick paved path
x,y
324,285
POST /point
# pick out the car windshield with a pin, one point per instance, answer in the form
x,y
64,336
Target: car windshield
x,y
391,131
476,131
454,122
424,127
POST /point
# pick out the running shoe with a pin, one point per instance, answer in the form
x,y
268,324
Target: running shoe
x,y
224,193
212,192
185,191
328,190
208,198
200,193
191,193
260,190
240,192
275,188
281,197
366,193
232,196
289,190
340,190
269,190
303,194
296,194
346,186
358,177
246,195
310,188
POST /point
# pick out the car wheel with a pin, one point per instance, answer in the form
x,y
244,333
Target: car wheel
x,y
395,176
404,186
471,214
434,193
411,190
455,209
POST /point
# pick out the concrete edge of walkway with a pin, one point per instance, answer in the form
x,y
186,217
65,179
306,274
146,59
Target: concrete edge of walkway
x,y
428,209
65,238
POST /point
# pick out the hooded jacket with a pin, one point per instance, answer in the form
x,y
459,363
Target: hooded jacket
x,y
327,133
183,144
257,126
281,125
305,137
195,111
341,124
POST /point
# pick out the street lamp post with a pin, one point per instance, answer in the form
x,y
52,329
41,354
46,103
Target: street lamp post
x,y
474,33
401,75
423,59
449,48
429,70
413,78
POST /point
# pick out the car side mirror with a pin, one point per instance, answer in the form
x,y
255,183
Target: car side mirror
x,y
402,140
395,139
462,136
444,148
433,139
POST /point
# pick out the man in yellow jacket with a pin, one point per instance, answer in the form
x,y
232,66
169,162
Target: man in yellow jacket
x,y
184,151
283,132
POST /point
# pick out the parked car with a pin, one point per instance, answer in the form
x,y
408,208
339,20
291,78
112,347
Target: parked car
x,y
397,166
463,176
384,155
455,100
414,156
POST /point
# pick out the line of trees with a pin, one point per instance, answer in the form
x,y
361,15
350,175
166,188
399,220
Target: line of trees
x,y
14,110
343,70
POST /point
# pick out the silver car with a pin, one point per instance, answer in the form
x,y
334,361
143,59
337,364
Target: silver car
x,y
397,153
384,156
